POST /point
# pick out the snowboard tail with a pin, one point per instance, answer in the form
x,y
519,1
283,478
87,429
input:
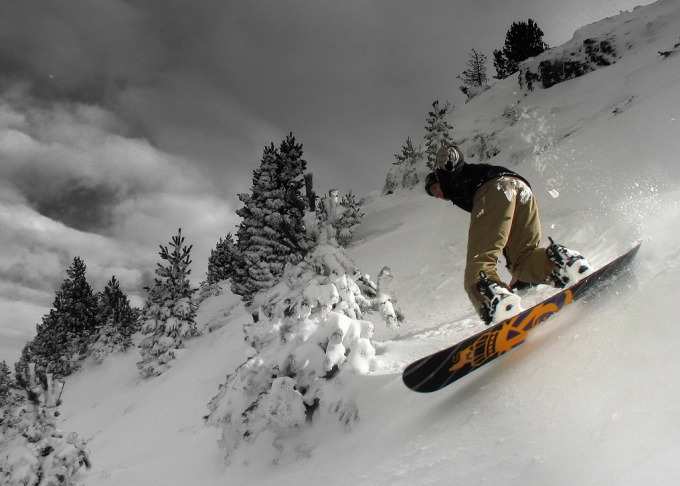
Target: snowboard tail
x,y
442,368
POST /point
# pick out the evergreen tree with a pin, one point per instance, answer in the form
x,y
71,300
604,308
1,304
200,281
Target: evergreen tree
x,y
522,41
339,218
271,234
253,224
67,330
78,304
168,316
408,153
504,67
120,321
437,131
5,383
475,74
222,260
406,171
290,215
349,220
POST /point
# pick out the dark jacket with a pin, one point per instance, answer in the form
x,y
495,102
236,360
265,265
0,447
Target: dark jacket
x,y
460,185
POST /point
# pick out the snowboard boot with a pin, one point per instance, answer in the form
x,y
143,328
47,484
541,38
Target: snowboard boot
x,y
571,266
498,303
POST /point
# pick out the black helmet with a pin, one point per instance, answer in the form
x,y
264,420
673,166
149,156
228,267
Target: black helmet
x,y
429,181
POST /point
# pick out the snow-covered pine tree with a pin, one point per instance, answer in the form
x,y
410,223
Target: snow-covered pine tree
x,y
67,331
271,233
222,265
437,131
167,318
222,260
406,172
33,452
328,212
252,225
349,220
341,217
120,322
309,340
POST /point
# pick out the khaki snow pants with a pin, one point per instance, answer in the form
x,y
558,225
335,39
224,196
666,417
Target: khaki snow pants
x,y
505,218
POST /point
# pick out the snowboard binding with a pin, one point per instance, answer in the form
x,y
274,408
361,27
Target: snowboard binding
x,y
571,266
499,303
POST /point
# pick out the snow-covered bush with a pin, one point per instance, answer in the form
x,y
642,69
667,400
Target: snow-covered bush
x,y
168,315
309,337
33,452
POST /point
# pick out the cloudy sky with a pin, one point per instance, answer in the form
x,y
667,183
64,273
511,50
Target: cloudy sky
x,y
121,121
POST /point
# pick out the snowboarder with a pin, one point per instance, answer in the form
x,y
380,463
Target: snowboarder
x,y
504,218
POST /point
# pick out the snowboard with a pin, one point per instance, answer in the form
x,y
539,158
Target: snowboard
x,y
442,368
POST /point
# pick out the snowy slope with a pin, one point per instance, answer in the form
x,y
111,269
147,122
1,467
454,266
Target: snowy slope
x,y
591,398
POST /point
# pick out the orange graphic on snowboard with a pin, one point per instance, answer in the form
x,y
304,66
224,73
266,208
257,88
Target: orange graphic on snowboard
x,y
511,334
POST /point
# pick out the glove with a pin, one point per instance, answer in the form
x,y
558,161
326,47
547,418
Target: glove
x,y
449,158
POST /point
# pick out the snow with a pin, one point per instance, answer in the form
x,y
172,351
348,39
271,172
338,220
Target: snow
x,y
591,397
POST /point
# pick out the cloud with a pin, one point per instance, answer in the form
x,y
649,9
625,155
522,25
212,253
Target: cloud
x,y
74,156
216,81
15,329
79,49
193,117
74,183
